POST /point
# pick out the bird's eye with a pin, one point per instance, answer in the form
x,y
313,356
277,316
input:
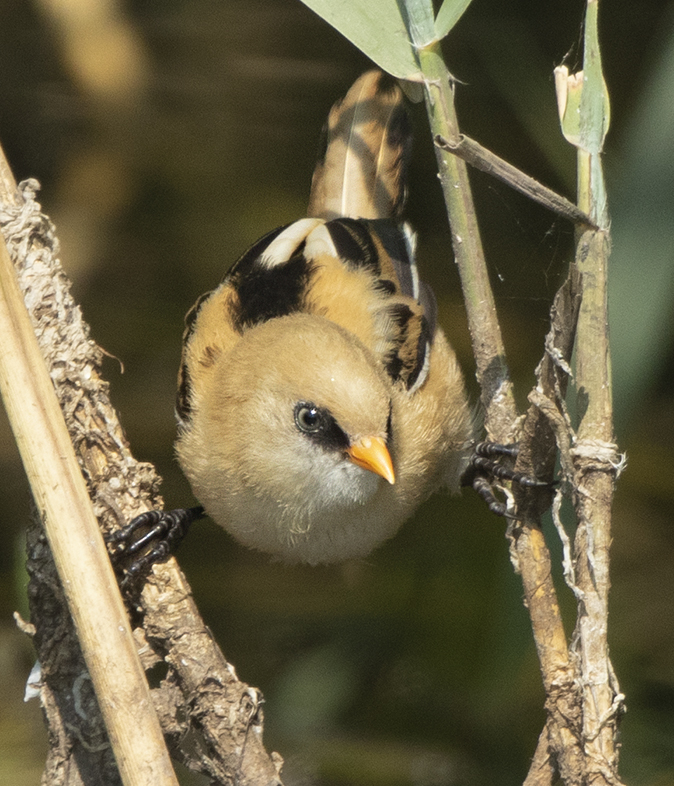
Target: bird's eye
x,y
308,418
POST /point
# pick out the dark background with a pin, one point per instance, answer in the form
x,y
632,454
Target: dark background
x,y
167,137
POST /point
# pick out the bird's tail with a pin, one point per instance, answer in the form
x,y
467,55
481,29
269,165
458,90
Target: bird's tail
x,y
362,172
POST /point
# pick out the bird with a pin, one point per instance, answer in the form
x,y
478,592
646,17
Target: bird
x,y
319,401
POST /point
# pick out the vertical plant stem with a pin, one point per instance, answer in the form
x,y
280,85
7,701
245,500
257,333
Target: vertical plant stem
x,y
595,465
595,457
529,552
492,371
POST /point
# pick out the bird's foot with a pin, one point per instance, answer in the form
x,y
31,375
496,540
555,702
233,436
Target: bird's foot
x,y
151,537
484,470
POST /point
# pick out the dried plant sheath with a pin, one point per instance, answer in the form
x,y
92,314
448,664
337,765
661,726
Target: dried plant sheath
x,y
559,740
596,465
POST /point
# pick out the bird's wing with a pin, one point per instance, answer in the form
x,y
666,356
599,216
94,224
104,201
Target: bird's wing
x,y
366,280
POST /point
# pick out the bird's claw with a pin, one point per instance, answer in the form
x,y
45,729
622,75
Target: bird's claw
x,y
484,470
149,538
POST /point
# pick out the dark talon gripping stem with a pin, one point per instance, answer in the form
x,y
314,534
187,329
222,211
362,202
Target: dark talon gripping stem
x,y
166,529
484,469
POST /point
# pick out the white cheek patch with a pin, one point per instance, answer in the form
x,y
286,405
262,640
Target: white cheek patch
x,y
319,242
281,249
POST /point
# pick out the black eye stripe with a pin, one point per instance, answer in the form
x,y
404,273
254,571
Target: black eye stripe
x,y
318,424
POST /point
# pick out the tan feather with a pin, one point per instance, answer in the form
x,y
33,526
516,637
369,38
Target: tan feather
x,y
362,173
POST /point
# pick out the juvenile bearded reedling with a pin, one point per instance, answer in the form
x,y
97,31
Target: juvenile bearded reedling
x,y
319,403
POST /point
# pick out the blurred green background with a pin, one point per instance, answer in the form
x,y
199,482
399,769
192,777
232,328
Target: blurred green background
x,y
168,136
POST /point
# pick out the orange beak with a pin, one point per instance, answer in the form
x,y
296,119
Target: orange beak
x,y
371,453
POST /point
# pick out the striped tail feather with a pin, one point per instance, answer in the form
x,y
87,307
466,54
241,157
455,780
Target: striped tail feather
x,y
362,173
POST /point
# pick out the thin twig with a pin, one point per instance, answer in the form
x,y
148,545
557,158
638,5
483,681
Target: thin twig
x,y
479,157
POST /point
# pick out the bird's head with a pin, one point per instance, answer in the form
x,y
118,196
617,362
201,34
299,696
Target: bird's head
x,y
300,410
